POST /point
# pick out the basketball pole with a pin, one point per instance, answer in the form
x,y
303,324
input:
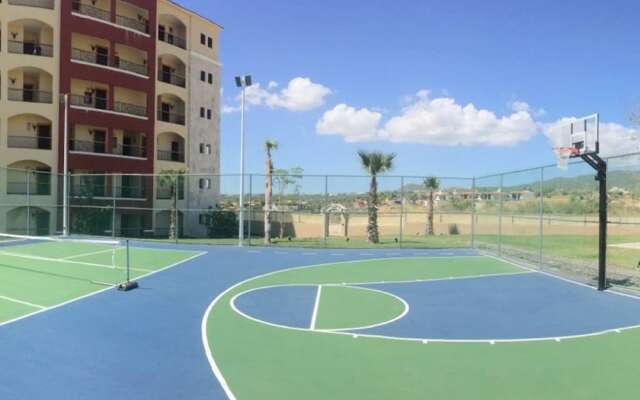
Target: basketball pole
x,y
600,166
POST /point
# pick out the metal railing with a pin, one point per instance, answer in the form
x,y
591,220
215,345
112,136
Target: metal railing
x,y
34,49
172,39
102,104
130,151
90,11
34,3
138,25
172,118
30,95
103,59
172,78
87,146
168,155
88,189
29,142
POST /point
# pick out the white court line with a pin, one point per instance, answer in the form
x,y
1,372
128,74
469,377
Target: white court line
x,y
91,254
316,305
71,262
11,321
24,303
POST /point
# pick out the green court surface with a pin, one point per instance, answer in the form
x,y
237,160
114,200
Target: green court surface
x,y
40,275
256,360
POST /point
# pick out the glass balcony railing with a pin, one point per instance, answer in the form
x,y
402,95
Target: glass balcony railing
x,y
85,146
98,103
172,78
29,142
168,155
131,23
29,48
30,95
130,151
140,25
104,59
42,188
171,118
172,39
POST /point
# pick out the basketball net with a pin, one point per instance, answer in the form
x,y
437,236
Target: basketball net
x,y
564,155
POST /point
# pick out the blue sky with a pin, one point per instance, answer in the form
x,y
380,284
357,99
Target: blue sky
x,y
521,66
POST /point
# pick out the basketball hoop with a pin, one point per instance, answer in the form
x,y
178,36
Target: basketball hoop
x,y
565,154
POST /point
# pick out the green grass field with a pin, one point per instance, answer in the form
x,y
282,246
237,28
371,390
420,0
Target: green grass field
x,y
267,362
34,277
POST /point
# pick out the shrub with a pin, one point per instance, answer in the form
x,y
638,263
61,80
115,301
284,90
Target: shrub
x,y
453,229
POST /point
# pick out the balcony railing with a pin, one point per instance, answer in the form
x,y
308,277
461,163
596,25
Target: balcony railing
x,y
29,142
30,95
164,192
103,59
34,49
99,103
130,151
33,3
88,189
30,188
137,25
168,155
172,118
172,78
130,192
90,11
172,39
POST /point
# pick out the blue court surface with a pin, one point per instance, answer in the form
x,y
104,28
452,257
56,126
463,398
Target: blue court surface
x,y
148,343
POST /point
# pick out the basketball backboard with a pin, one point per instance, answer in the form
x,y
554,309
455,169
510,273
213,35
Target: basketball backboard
x,y
582,135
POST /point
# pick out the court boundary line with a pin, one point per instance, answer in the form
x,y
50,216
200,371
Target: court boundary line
x,y
92,254
401,315
203,325
76,299
24,303
316,305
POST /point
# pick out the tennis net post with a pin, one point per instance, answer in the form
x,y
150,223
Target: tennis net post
x,y
128,284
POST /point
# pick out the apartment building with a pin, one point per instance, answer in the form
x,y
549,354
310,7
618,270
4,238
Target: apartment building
x,y
142,79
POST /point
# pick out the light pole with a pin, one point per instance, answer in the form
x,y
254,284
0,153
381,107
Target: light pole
x,y
65,169
243,82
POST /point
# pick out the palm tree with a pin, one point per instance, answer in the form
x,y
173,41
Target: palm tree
x,y
374,163
270,145
431,183
172,179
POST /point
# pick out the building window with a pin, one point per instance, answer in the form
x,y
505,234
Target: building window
x,y
205,184
204,219
203,38
208,114
208,149
203,76
201,112
211,79
210,43
202,148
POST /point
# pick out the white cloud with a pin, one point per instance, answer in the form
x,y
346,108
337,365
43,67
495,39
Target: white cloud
x,y
354,125
301,94
518,106
439,121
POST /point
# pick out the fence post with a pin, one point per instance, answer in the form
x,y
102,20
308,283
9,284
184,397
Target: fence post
x,y
325,227
113,205
541,217
500,215
28,182
401,210
250,209
473,213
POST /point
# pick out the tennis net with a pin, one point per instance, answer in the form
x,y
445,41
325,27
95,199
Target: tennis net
x,y
102,262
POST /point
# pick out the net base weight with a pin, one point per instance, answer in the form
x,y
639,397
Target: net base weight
x,y
127,286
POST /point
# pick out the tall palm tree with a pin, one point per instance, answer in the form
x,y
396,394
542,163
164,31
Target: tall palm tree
x,y
270,146
374,163
431,183
172,179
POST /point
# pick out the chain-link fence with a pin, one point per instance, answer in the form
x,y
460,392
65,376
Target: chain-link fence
x,y
546,217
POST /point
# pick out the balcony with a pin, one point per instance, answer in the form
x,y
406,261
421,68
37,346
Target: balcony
x,y
34,3
172,39
104,59
130,151
130,192
172,118
100,103
94,12
86,188
30,95
131,23
33,49
172,78
38,188
29,142
168,155
96,147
